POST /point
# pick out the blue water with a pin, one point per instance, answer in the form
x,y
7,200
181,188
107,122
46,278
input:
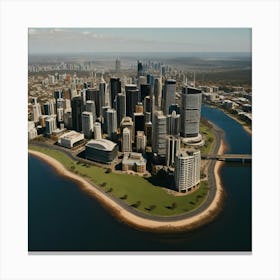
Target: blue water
x,y
63,218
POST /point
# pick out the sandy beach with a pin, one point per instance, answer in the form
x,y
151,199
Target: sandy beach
x,y
136,221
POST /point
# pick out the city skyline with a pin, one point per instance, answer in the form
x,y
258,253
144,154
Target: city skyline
x,y
80,40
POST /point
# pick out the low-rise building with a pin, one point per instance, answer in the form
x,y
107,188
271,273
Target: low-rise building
x,y
69,139
135,162
101,150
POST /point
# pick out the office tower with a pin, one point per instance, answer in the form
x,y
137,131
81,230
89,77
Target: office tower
x,y
149,132
59,114
93,94
121,107
87,124
140,71
187,170
159,134
58,94
139,108
147,104
102,93
115,88
173,124
77,109
126,140
148,117
169,95
132,98
139,122
47,109
111,123
174,107
141,80
145,90
172,147
150,79
90,107
36,112
67,104
118,65
190,112
73,90
127,122
97,131
67,119
50,124
158,92
104,118
141,141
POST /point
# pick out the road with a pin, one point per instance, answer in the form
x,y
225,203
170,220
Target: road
x,y
211,182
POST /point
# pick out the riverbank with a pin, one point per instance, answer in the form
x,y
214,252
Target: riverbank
x,y
140,222
245,126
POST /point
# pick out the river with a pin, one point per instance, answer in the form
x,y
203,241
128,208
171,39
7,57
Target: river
x,y
63,218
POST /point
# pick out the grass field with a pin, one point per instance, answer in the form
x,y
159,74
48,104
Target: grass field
x,y
136,191
209,138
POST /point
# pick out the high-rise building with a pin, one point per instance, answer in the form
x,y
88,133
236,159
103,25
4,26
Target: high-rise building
x,y
126,140
173,124
172,147
139,108
159,134
127,122
90,107
77,109
147,104
104,118
59,115
140,70
93,94
158,92
187,170
102,93
145,90
139,122
132,98
67,119
111,123
118,65
190,112
36,112
141,141
115,88
149,133
50,124
121,107
169,95
87,124
97,131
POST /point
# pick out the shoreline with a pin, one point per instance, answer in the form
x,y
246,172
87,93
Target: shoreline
x,y
245,127
134,220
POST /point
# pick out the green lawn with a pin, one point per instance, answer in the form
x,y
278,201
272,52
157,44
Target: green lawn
x,y
209,138
136,191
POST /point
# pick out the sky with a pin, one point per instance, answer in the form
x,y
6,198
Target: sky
x,y
79,40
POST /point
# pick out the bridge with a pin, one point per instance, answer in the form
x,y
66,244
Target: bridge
x,y
229,157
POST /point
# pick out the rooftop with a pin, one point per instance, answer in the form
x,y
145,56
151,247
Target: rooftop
x,y
101,144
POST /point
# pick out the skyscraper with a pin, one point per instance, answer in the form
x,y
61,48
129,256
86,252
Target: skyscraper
x,y
126,140
90,107
118,65
127,122
159,134
169,95
187,170
97,131
50,125
121,107
190,112
173,124
172,147
158,92
111,123
87,124
102,93
115,88
132,98
77,108
140,71
145,90
93,94
141,141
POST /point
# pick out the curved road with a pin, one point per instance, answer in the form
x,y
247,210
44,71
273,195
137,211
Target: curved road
x,y
211,182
